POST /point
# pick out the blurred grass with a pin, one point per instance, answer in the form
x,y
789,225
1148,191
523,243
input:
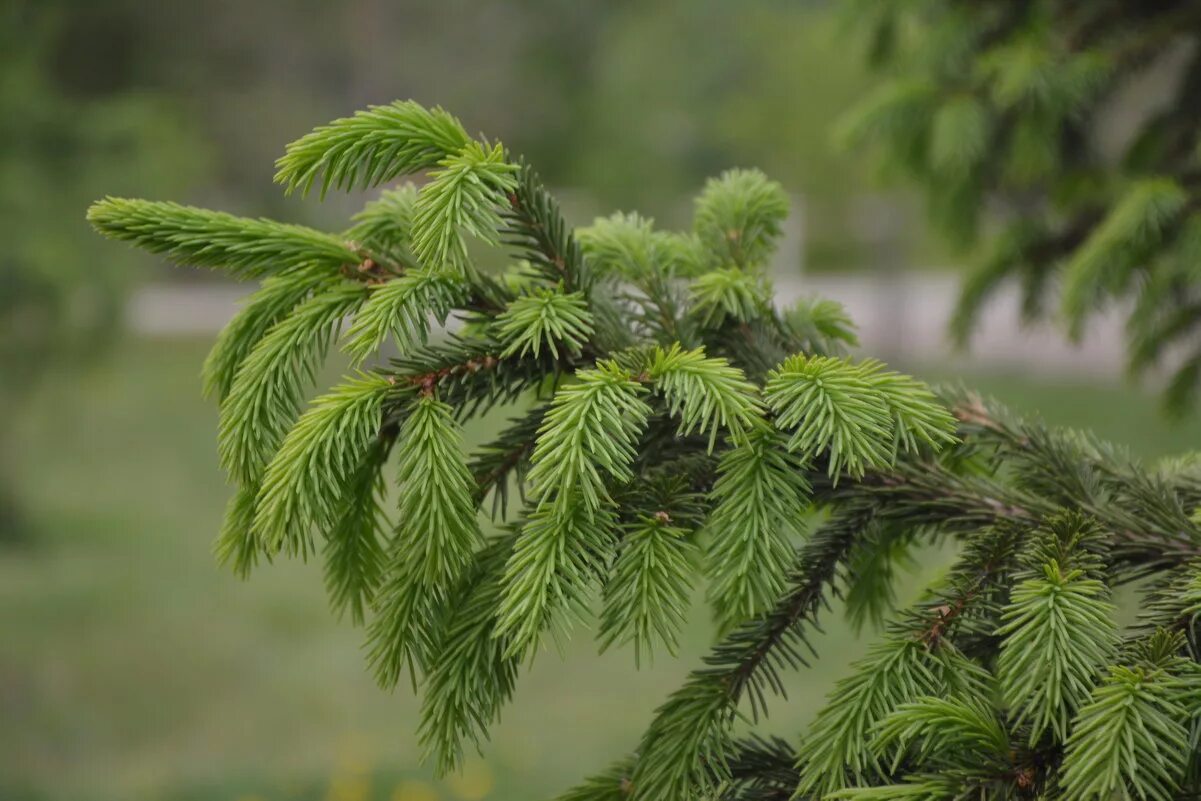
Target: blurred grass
x,y
132,667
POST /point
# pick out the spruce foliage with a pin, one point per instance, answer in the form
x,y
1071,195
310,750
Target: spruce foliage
x,y
674,431
1004,115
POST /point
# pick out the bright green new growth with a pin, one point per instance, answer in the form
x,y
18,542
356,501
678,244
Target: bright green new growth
x,y
371,148
267,389
315,465
1133,731
646,600
1058,631
543,319
759,502
461,199
436,536
707,394
241,247
674,436
589,434
897,672
401,308
738,218
728,292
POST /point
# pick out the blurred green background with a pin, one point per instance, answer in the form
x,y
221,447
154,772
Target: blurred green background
x,y
131,667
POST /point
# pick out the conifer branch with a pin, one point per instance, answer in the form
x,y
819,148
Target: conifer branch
x,y
471,674
1058,631
266,392
897,671
435,539
311,473
354,553
646,600
729,293
830,406
648,344
1133,226
505,461
236,545
401,308
370,148
760,499
385,226
738,216
275,299
245,248
1131,734
705,393
462,197
545,318
537,231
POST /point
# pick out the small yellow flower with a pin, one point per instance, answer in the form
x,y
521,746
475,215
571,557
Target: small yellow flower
x,y
473,783
414,791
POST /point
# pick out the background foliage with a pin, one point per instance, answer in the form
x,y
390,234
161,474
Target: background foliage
x,y
1058,141
60,142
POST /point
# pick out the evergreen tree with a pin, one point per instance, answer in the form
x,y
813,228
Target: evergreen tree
x,y
1018,112
676,431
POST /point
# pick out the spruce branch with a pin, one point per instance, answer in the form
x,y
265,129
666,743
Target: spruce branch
x,y
462,197
737,218
919,419
469,376
309,476
624,246
537,232
266,393
630,349
504,463
686,748
401,308
838,749
370,148
761,769
385,226
354,553
760,500
946,786
558,557
821,326
245,248
590,430
236,546
745,664
997,113
545,318
646,599
729,293
613,784
1129,738
277,298
436,535
1103,262
871,597
1058,631
829,405
959,136
705,393
961,731
470,675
